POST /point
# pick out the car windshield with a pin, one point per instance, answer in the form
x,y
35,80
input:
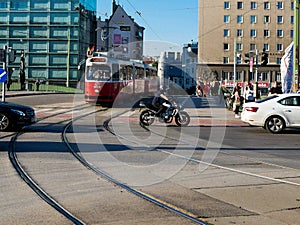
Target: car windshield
x,y
267,98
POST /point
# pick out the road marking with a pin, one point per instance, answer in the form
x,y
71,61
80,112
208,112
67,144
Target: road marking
x,y
230,169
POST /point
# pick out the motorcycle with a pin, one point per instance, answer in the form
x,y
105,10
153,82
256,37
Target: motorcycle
x,y
175,111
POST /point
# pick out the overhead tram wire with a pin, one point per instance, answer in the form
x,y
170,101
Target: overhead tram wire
x,y
140,14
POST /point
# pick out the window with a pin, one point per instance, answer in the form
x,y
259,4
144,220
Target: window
x,y
266,5
252,47
264,76
225,60
3,5
266,19
239,19
226,5
226,33
291,33
279,19
252,33
226,19
239,46
292,5
280,5
279,33
291,101
253,5
279,47
226,47
266,47
252,19
20,4
278,61
239,5
239,33
266,33
292,19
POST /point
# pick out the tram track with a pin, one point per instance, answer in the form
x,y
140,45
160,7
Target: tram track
x,y
48,198
161,203
167,206
29,180
272,180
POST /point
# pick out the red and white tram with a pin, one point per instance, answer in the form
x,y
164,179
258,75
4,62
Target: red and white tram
x,y
108,78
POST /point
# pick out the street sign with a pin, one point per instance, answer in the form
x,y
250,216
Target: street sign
x,y
3,75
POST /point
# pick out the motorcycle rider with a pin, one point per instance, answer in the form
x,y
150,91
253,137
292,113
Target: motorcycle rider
x,y
162,103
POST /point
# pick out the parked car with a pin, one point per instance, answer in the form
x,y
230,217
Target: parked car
x,y
274,113
14,116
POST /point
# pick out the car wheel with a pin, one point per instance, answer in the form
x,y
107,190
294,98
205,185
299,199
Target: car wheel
x,y
5,123
275,124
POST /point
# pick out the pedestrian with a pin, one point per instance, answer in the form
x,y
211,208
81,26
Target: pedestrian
x,y
249,93
37,85
199,91
275,89
237,98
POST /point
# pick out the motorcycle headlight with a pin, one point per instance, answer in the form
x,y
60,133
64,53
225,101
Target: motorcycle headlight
x,y
20,113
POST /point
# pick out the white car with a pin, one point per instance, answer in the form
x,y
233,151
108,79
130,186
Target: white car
x,y
273,113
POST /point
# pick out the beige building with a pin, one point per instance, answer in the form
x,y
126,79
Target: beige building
x,y
253,26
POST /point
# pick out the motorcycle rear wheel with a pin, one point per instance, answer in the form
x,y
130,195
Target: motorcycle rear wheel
x,y
185,119
147,117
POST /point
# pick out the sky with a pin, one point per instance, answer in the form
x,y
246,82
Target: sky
x,y
171,23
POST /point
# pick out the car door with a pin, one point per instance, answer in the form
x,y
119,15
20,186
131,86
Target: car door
x,y
291,109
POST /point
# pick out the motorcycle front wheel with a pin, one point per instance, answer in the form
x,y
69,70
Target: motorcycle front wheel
x,y
147,117
182,119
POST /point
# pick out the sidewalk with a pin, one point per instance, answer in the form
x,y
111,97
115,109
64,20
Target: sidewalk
x,y
9,94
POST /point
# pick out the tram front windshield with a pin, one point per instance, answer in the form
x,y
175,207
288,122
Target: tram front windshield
x,y
99,73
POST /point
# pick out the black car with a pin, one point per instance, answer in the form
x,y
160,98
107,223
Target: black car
x,y
15,116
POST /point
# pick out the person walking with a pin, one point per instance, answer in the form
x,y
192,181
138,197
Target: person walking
x,y
236,96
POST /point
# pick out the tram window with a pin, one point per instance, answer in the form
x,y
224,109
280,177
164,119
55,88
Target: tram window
x,y
139,73
115,72
98,73
129,73
122,72
90,73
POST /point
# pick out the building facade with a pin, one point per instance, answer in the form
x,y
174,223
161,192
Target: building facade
x,y
120,35
228,28
189,65
53,34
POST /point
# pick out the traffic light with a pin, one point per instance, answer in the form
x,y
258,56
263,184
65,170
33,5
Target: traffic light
x,y
264,58
248,56
11,55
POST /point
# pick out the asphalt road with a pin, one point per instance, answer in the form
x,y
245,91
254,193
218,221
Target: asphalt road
x,y
236,175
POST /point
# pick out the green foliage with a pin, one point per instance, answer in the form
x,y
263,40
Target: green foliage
x,y
45,88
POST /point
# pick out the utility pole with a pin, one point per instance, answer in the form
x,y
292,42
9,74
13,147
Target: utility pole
x,y
234,61
256,92
296,46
